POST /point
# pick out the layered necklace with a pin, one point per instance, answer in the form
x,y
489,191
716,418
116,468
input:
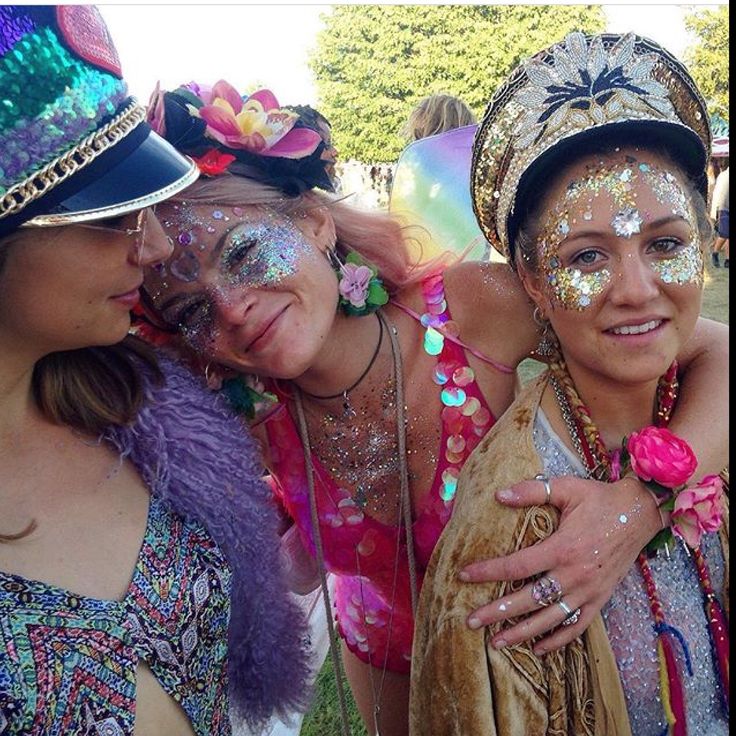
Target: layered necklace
x,y
405,516
596,458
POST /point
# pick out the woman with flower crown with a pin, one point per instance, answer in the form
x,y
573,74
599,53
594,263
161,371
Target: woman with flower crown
x,y
601,209
367,378
139,549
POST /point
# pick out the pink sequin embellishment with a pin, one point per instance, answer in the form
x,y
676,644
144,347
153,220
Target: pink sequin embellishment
x,y
85,32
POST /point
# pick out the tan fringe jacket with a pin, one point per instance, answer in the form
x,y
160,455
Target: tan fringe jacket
x,y
460,685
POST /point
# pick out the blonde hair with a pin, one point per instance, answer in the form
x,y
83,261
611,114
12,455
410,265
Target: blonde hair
x,y
436,114
378,238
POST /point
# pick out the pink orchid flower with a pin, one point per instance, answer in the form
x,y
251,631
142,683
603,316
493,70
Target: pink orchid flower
x,y
256,125
354,283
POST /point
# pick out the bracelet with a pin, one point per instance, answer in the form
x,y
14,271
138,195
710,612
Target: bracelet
x,y
659,501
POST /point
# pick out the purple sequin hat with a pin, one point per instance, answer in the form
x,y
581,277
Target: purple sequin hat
x,y
74,146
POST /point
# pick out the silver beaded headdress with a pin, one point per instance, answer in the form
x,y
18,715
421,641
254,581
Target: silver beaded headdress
x,y
586,86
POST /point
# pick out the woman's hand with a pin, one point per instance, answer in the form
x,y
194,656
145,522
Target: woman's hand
x,y
603,527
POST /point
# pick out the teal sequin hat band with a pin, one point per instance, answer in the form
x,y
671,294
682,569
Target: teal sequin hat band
x,y
73,145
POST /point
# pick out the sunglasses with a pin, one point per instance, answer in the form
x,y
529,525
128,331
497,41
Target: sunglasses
x,y
111,225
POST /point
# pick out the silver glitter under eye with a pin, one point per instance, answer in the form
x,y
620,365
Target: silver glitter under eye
x,y
684,268
263,253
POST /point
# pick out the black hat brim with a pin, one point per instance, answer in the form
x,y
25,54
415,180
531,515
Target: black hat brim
x,y
139,171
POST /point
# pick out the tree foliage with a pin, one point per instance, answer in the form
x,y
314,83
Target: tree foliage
x,y
708,58
373,63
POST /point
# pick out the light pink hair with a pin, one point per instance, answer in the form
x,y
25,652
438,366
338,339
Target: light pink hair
x,y
379,238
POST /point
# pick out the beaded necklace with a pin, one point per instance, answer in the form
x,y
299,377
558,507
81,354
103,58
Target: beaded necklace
x,y
596,458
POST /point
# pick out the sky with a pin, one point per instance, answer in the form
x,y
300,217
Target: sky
x,y
267,45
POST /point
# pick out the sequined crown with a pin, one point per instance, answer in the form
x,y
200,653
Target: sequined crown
x,y
586,86
73,145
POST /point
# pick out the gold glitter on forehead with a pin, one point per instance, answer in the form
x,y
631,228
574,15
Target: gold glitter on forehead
x,y
634,81
574,288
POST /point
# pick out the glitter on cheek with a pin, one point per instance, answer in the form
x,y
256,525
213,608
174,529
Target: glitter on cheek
x,y
685,268
573,289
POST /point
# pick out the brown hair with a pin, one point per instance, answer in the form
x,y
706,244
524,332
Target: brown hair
x,y
436,114
89,389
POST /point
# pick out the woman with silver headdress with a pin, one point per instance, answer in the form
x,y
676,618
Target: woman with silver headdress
x,y
589,174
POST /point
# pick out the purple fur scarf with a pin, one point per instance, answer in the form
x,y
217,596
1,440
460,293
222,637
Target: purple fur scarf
x,y
195,455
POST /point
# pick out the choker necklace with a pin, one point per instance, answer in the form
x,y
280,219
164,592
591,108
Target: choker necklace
x,y
348,410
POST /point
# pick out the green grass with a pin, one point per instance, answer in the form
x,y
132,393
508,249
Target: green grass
x,y
324,718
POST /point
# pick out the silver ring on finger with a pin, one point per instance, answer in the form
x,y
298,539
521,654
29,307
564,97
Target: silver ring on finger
x,y
572,618
546,590
547,486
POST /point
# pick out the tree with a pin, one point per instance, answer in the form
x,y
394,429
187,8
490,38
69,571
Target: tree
x,y
373,63
708,57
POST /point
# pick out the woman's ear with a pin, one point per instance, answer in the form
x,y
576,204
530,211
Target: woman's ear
x,y
532,284
317,224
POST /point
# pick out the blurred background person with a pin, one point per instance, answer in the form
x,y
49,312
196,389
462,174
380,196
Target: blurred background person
x,y
436,114
431,184
719,213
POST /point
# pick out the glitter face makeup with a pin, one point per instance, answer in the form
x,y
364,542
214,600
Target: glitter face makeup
x,y
261,254
575,284
223,252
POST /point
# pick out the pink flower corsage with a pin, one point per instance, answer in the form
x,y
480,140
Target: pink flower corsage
x,y
698,510
661,456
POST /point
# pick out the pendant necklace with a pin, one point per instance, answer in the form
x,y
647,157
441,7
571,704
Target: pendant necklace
x,y
348,410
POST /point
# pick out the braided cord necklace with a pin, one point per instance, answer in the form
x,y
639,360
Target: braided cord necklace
x,y
404,515
588,443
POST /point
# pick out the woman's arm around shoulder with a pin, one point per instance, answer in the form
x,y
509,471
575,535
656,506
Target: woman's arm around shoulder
x,y
492,310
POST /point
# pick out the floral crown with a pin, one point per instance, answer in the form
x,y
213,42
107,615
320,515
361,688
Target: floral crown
x,y
584,87
249,136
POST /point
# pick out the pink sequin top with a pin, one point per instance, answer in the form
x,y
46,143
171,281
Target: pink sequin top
x,y
361,552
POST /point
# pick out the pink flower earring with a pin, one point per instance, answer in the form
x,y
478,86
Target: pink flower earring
x,y
361,289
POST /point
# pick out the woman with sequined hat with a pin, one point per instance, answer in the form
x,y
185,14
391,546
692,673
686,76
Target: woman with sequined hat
x,y
589,175
134,525
367,379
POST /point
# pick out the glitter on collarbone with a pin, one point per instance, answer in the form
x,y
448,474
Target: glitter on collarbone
x,y
360,448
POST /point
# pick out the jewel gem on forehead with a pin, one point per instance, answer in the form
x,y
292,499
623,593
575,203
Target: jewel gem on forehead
x,y
627,222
